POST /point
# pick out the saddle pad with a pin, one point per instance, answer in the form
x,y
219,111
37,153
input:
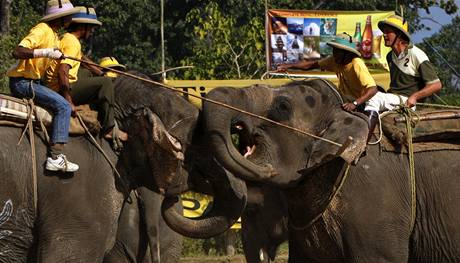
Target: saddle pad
x,y
15,109
13,112
390,146
430,126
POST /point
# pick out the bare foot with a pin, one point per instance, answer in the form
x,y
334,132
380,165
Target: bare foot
x,y
123,136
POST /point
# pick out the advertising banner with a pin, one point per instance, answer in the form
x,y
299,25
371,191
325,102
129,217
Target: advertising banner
x,y
294,35
195,205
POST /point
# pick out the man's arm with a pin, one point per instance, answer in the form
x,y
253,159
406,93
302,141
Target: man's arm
x,y
64,85
428,90
302,64
370,92
27,53
94,69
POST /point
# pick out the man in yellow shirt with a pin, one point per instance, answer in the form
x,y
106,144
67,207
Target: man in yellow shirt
x,y
354,78
353,75
63,76
35,52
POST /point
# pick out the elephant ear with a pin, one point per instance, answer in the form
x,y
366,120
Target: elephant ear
x,y
348,129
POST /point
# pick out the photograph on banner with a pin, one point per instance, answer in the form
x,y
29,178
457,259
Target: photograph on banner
x,y
301,34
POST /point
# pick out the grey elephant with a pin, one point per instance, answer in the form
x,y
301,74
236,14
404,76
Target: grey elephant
x,y
367,216
142,234
264,222
77,213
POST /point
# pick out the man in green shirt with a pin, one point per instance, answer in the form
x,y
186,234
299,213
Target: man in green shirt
x,y
413,77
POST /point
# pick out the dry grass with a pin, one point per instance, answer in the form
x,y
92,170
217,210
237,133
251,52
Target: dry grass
x,y
226,259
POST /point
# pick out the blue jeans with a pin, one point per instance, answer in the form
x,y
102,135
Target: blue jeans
x,y
48,99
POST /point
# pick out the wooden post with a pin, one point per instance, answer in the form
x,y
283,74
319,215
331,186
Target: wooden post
x,y
5,16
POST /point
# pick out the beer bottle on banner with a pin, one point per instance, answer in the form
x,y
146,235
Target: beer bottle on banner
x,y
357,38
366,45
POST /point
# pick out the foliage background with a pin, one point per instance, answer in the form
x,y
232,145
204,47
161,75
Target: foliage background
x,y
221,39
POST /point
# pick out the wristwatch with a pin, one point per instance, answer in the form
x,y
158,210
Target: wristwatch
x,y
355,103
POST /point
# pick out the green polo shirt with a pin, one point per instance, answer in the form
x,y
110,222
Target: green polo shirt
x,y
410,72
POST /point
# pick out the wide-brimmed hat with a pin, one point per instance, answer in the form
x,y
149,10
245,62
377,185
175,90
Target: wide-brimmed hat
x,y
397,23
344,42
110,62
58,8
85,15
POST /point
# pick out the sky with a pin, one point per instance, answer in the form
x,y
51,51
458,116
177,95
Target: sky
x,y
436,14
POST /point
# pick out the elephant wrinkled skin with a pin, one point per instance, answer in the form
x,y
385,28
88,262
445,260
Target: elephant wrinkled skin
x,y
77,213
369,218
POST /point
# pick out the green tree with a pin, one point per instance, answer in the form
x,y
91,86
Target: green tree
x,y
442,49
23,17
222,39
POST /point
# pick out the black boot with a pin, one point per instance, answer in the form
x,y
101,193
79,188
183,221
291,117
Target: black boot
x,y
372,122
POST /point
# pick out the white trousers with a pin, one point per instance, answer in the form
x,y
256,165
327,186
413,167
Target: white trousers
x,y
384,102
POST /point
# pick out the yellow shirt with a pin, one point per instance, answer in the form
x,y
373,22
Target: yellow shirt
x,y
40,36
70,46
354,78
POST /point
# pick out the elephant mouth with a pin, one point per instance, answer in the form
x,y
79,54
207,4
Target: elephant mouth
x,y
249,144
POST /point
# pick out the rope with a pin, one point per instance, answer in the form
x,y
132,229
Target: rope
x,y
332,196
29,126
380,130
438,106
207,100
408,114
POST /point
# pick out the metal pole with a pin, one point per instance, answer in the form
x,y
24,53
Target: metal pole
x,y
267,38
162,41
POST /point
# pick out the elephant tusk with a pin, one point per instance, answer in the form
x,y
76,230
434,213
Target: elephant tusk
x,y
250,150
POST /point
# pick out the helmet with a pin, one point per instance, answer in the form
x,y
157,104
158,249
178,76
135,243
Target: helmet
x,y
85,15
396,22
344,42
111,62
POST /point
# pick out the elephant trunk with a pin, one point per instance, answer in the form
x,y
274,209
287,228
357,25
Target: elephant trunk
x,y
230,195
218,122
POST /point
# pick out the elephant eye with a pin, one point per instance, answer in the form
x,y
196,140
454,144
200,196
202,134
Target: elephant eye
x,y
281,109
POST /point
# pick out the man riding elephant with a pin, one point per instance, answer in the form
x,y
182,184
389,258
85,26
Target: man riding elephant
x,y
34,53
413,76
62,76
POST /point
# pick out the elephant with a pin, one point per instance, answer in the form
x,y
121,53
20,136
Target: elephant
x,y
76,216
142,234
347,201
264,223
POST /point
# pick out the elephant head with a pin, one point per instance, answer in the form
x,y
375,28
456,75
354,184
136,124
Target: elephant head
x,y
161,125
271,153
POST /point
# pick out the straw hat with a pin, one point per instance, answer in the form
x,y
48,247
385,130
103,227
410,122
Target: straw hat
x,y
58,8
110,62
344,42
396,22
85,15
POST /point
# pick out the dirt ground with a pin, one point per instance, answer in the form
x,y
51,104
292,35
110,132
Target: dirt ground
x,y
226,259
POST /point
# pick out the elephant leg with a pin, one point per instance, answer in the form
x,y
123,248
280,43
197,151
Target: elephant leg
x,y
150,215
73,242
58,248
